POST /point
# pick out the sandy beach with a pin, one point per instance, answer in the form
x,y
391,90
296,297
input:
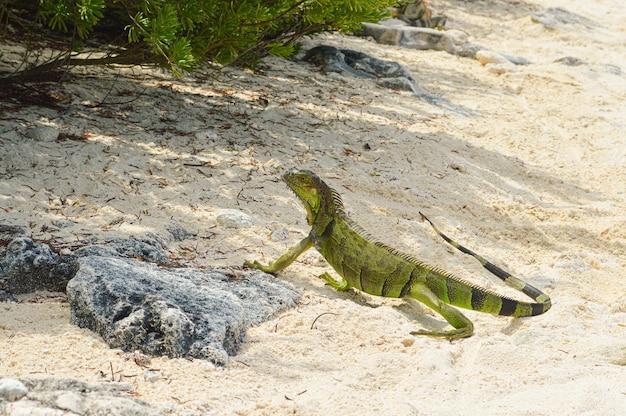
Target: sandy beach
x,y
534,180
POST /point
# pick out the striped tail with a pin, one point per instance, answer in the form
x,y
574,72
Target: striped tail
x,y
543,300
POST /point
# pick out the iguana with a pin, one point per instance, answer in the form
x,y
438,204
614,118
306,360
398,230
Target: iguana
x,y
378,269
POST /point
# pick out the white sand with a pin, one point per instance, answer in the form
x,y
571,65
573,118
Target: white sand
x,y
537,183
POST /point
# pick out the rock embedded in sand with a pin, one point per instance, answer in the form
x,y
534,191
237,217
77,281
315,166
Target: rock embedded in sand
x,y
469,50
12,389
233,218
27,267
485,57
459,37
410,37
280,234
571,61
501,68
43,134
556,17
149,247
182,312
57,397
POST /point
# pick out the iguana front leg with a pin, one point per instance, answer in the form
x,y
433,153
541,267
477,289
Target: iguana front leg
x,y
464,327
284,260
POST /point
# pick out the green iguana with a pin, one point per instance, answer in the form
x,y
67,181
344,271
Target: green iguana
x,y
375,268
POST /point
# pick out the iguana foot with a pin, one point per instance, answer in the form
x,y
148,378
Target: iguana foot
x,y
341,286
450,335
259,266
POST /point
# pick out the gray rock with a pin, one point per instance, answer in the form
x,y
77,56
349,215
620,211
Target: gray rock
x,y
175,312
178,232
12,389
232,218
517,60
374,67
410,37
52,397
556,17
571,61
469,50
486,56
459,37
612,69
280,234
26,267
361,65
63,223
332,59
388,74
479,52
12,230
7,297
43,134
148,247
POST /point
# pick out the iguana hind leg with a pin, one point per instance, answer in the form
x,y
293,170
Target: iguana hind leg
x,y
284,260
463,326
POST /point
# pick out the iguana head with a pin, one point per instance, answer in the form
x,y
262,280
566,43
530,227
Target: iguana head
x,y
314,194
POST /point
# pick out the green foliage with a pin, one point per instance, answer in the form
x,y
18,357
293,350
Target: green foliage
x,y
181,34
82,15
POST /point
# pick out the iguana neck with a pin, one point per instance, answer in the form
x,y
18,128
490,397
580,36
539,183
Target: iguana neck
x,y
331,207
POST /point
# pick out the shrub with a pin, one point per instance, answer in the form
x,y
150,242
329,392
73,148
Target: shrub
x,y
184,34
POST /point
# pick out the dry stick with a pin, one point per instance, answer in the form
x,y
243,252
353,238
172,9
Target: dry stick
x,y
319,316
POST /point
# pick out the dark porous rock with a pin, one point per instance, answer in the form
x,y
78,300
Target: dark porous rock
x,y
50,396
361,65
174,312
178,232
388,74
7,297
332,59
148,247
11,230
27,267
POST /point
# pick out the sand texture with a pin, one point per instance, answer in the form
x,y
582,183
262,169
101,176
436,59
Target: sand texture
x,y
534,178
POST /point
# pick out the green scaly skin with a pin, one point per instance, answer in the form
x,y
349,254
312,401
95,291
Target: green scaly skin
x,y
375,268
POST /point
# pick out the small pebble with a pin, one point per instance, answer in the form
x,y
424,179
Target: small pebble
x,y
63,223
517,60
458,167
612,69
207,135
407,342
70,401
469,50
501,68
43,134
234,219
488,57
571,61
280,234
12,389
65,252
458,36
151,375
